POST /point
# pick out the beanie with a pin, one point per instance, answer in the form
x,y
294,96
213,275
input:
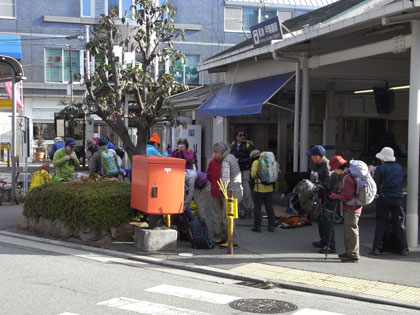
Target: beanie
x,y
155,138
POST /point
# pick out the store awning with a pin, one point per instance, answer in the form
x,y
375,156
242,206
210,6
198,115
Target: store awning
x,y
244,98
10,46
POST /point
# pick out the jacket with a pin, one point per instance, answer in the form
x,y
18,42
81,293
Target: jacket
x,y
39,178
241,152
187,155
55,147
213,175
255,174
388,178
347,192
323,170
63,168
194,180
231,174
151,150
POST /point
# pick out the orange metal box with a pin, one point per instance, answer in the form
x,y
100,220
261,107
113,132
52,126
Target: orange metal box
x,y
158,184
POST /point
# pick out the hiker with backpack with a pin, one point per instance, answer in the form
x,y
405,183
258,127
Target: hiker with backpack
x,y
320,176
388,177
58,144
351,211
261,170
104,161
198,188
241,148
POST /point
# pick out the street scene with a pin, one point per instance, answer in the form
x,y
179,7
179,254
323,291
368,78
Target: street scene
x,y
209,156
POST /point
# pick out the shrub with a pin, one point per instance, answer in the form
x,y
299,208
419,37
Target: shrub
x,y
99,205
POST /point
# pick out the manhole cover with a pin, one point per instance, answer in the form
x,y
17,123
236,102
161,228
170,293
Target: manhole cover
x,y
263,306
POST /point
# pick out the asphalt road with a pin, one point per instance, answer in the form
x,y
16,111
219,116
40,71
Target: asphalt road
x,y
46,279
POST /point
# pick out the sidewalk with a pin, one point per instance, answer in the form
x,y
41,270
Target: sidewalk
x,y
285,258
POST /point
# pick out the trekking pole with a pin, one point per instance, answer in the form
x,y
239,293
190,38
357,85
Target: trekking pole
x,y
330,219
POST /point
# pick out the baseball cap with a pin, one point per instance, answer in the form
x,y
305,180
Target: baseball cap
x,y
316,150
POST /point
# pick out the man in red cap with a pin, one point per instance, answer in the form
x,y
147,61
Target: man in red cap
x,y
351,213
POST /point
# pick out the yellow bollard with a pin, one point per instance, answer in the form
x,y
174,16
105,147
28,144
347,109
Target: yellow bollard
x,y
231,213
168,220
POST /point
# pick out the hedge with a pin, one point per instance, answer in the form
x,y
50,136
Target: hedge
x,y
99,205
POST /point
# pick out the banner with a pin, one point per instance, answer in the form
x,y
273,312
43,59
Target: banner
x,y
18,94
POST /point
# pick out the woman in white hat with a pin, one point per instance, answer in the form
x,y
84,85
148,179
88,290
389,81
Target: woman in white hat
x,y
388,177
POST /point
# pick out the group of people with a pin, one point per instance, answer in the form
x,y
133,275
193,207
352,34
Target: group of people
x,y
338,185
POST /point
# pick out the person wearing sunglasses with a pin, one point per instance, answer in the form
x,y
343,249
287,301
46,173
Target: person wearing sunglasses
x,y
241,148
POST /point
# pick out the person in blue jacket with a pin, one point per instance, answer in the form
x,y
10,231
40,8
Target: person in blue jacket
x,y
153,145
388,177
58,144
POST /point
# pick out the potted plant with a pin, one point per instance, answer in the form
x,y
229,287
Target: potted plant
x,y
39,149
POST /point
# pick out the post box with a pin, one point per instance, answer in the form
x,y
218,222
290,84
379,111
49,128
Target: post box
x,y
158,184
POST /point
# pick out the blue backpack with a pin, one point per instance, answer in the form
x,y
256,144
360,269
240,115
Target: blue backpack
x,y
196,229
109,164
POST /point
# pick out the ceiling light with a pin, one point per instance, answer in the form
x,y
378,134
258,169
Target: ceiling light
x,y
363,91
401,87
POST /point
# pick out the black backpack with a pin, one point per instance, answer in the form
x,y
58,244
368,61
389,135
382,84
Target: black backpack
x,y
199,234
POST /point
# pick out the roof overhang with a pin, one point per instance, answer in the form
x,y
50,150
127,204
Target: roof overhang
x,y
298,37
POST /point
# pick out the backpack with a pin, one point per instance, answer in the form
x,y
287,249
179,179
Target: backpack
x,y
365,184
290,220
268,168
109,165
199,234
194,228
306,198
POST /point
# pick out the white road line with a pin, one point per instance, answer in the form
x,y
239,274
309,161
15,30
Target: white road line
x,y
308,311
145,307
67,313
198,295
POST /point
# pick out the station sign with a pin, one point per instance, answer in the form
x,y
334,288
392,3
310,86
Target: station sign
x,y
263,33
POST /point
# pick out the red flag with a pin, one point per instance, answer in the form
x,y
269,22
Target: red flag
x,y
18,94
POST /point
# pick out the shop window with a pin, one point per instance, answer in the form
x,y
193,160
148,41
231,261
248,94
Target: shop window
x,y
7,9
44,130
57,65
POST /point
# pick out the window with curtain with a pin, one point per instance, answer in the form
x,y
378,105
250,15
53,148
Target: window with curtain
x,y
57,65
7,8
249,17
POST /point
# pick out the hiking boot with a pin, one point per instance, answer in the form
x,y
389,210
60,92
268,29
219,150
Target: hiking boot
x,y
319,244
375,252
256,229
348,259
225,244
404,252
270,229
342,255
327,250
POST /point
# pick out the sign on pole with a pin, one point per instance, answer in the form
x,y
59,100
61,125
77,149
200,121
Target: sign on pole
x,y
263,33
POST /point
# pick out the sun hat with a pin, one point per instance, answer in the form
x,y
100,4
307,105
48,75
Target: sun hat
x,y
57,139
336,161
386,154
155,138
254,154
316,150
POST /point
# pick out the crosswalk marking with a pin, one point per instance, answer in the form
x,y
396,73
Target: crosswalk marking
x,y
193,294
145,307
308,311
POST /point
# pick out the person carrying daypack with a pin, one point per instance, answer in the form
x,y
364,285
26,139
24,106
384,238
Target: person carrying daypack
x,y
264,172
351,210
389,176
104,161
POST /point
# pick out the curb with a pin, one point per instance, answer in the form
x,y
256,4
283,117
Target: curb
x,y
214,271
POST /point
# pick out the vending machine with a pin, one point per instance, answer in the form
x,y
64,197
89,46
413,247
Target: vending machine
x,y
193,135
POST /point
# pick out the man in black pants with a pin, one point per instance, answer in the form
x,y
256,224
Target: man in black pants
x,y
388,177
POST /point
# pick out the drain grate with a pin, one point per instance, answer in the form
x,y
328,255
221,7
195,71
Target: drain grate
x,y
263,306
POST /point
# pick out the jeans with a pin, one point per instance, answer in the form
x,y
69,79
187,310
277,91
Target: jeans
x,y
326,226
267,198
385,205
